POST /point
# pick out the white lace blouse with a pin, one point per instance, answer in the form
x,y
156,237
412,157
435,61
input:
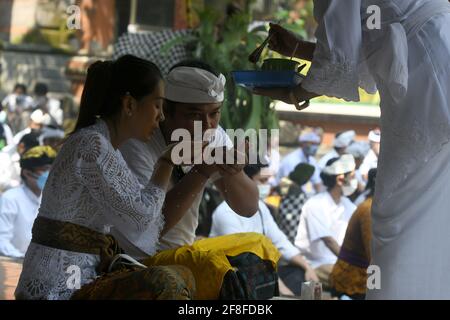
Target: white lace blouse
x,y
90,185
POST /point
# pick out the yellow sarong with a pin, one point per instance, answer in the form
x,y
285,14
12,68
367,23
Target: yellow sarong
x,y
207,259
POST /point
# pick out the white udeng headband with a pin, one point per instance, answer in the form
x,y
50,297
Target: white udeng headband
x,y
345,164
194,85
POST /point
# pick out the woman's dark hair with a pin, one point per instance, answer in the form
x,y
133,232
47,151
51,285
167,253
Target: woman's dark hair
x,y
108,81
329,180
169,106
372,175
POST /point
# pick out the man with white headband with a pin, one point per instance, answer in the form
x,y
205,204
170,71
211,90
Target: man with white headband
x,y
309,144
341,141
371,159
194,93
326,215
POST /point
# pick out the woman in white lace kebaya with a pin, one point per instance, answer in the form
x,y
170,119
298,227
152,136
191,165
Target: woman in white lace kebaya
x,y
401,48
90,190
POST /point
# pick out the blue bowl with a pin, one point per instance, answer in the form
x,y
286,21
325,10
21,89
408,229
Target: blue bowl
x,y
267,79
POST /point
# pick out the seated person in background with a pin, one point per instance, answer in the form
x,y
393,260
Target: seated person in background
x,y
349,275
341,141
292,203
371,159
309,143
367,193
325,217
10,160
35,123
52,136
49,106
19,206
358,150
16,104
295,269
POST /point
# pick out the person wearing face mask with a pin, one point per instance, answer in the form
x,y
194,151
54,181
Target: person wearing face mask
x,y
309,144
371,159
19,205
16,104
349,275
341,141
293,269
326,215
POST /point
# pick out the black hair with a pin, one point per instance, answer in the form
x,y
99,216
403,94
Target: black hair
x,y
30,140
40,89
20,86
372,175
108,81
301,173
252,170
329,180
194,63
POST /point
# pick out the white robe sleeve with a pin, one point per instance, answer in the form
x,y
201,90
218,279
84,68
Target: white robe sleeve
x,y
8,214
279,239
334,69
134,210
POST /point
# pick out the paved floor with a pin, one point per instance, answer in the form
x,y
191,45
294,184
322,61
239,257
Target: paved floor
x,y
9,276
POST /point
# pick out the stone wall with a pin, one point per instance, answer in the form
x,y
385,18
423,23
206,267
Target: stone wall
x,y
29,67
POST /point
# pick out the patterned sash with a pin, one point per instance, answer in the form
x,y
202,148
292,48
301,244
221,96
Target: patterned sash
x,y
72,237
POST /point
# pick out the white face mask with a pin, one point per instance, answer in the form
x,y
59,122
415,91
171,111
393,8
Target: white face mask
x,y
264,190
350,188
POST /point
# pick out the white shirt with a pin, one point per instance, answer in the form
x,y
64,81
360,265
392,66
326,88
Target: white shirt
x,y
18,209
10,102
8,134
141,157
291,160
322,217
226,221
370,162
90,185
9,169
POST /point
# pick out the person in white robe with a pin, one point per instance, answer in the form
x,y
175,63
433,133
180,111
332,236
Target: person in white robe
x,y
19,205
341,141
325,217
371,159
402,50
309,144
293,269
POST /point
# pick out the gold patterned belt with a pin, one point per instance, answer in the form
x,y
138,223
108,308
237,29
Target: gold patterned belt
x,y
72,237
